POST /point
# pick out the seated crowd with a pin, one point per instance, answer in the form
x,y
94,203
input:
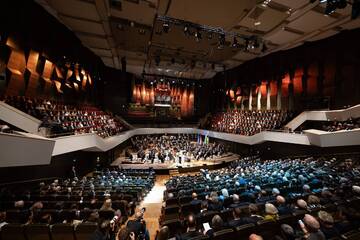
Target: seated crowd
x,y
174,148
65,119
333,126
254,199
248,122
103,201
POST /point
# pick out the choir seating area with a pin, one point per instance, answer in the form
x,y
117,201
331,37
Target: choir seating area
x,y
248,122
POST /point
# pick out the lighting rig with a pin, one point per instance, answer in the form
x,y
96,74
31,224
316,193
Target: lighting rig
x,y
332,5
240,41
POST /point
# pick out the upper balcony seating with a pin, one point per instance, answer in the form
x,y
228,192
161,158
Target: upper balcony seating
x,y
66,119
332,126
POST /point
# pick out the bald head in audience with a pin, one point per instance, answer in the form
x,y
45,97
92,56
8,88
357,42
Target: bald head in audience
x,y
255,237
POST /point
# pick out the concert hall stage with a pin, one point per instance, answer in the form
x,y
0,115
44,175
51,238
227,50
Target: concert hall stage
x,y
193,165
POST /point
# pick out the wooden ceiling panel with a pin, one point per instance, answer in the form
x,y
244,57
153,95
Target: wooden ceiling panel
x,y
224,13
323,35
76,8
138,12
293,4
282,36
108,61
269,19
93,41
102,52
311,21
80,25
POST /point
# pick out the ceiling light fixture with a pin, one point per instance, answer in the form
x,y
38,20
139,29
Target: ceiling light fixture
x,y
197,35
166,27
209,31
265,3
257,23
186,30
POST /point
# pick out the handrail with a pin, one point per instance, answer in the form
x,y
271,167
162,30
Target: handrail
x,y
18,118
329,115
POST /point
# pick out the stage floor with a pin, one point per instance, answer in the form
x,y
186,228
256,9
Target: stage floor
x,y
226,158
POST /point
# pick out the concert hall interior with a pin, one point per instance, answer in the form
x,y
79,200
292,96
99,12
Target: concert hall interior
x,y
179,119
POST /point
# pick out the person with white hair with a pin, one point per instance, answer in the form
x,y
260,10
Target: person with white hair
x,y
356,189
311,228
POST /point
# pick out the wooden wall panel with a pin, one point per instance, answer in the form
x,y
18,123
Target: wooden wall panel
x,y
31,90
32,61
16,63
312,79
16,85
298,81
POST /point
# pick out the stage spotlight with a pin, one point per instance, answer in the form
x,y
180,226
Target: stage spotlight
x,y
247,44
221,41
355,9
166,27
235,43
186,30
197,35
210,36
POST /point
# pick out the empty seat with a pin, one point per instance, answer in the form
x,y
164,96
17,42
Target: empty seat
x,y
243,231
186,199
37,232
17,216
352,235
62,231
171,201
106,214
226,214
204,237
174,226
267,228
83,231
12,231
187,208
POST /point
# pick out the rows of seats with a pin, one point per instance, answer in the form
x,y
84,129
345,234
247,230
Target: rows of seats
x,y
67,119
60,231
332,126
248,122
299,186
110,192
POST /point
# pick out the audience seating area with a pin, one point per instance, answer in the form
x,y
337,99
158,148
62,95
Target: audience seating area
x,y
71,208
254,196
65,119
332,126
248,122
